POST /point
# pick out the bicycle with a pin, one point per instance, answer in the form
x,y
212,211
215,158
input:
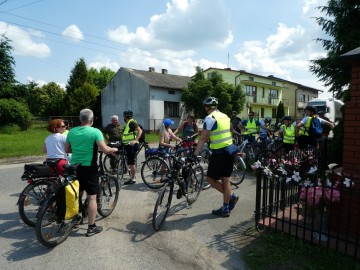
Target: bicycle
x,y
249,149
52,230
156,166
190,186
42,180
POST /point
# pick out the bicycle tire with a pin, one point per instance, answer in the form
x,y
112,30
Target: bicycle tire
x,y
122,169
162,206
194,184
251,152
239,170
107,164
154,172
265,156
31,198
108,195
49,230
204,162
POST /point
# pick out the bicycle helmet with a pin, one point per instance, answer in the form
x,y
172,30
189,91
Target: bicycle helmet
x,y
128,113
287,117
311,109
168,122
268,119
210,101
234,112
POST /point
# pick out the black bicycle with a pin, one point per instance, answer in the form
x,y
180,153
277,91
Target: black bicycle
x,y
189,177
52,230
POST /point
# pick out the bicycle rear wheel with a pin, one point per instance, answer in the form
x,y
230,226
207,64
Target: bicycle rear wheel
x,y
162,206
108,195
204,162
154,171
32,197
50,231
110,164
238,174
194,183
122,169
265,156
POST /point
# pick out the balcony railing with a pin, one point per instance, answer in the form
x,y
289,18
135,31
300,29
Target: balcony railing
x,y
259,100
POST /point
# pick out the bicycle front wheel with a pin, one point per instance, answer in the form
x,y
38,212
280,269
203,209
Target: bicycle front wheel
x,y
110,164
108,195
50,231
194,183
239,170
154,171
31,198
162,206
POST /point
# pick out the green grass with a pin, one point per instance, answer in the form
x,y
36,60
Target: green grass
x,y
17,143
274,250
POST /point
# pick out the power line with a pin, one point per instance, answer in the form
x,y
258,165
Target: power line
x,y
23,5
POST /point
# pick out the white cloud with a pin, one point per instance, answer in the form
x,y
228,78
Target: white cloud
x,y
74,33
22,41
186,25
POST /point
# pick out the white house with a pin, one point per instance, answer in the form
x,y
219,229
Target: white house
x,y
152,96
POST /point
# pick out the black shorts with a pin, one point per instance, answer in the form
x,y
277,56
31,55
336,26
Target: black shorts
x,y
220,165
131,153
88,177
305,141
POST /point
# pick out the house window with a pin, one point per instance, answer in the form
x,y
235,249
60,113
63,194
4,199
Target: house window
x,y
273,83
210,75
273,113
273,93
171,92
251,79
250,90
262,113
301,98
171,109
263,92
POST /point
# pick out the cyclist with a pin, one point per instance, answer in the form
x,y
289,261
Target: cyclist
x,y
287,132
131,136
166,135
218,129
265,129
250,126
189,128
235,121
83,141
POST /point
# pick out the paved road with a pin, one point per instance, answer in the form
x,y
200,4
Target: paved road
x,y
190,239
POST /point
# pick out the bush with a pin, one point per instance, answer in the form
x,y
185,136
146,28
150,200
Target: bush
x,y
14,112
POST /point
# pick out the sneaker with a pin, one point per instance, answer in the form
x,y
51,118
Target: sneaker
x,y
130,181
221,212
233,202
93,230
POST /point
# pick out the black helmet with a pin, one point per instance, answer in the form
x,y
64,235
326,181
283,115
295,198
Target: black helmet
x,y
128,113
287,117
311,108
210,101
234,112
268,119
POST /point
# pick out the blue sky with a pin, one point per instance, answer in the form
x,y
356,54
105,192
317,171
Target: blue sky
x,y
264,37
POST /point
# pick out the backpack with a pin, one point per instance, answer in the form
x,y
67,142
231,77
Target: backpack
x,y
315,129
142,137
67,200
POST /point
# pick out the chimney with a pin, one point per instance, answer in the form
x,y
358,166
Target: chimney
x,y
164,71
151,69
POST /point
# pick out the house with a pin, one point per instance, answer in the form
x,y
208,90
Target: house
x,y
152,96
264,93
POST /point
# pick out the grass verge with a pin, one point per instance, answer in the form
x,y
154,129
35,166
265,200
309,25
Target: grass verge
x,y
275,250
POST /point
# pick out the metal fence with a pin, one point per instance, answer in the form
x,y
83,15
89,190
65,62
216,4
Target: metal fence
x,y
325,216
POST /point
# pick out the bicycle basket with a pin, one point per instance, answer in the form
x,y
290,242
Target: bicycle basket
x,y
37,170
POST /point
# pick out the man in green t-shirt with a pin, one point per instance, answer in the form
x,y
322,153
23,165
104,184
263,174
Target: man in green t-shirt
x,y
83,142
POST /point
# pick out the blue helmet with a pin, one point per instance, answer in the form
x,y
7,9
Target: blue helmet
x,y
168,122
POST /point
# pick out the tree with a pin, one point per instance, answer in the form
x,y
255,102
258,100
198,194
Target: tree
x,y
14,112
83,97
56,94
100,78
229,97
280,113
342,24
7,63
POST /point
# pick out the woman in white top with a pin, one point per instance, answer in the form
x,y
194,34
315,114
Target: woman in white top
x,y
54,145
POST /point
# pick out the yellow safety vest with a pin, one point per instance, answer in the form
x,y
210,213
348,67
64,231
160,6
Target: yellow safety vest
x,y
304,130
127,135
221,136
289,134
251,127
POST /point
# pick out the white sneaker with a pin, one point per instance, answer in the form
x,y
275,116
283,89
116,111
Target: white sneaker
x,y
130,181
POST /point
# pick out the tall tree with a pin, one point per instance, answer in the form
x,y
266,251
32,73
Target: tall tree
x,y
280,113
56,94
229,97
100,78
342,24
7,63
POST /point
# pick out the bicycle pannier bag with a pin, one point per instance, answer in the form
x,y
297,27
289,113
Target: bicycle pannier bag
x,y
67,200
37,170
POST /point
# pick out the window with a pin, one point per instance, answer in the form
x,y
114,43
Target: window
x,y
273,93
210,75
273,83
301,98
263,92
250,90
251,79
171,92
171,109
262,113
273,113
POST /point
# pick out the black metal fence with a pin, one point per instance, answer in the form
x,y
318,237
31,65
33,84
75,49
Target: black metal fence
x,y
322,215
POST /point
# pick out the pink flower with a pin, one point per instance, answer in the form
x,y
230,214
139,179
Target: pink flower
x,y
319,196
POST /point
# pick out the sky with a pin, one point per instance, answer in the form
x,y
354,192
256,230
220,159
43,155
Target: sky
x,y
264,37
